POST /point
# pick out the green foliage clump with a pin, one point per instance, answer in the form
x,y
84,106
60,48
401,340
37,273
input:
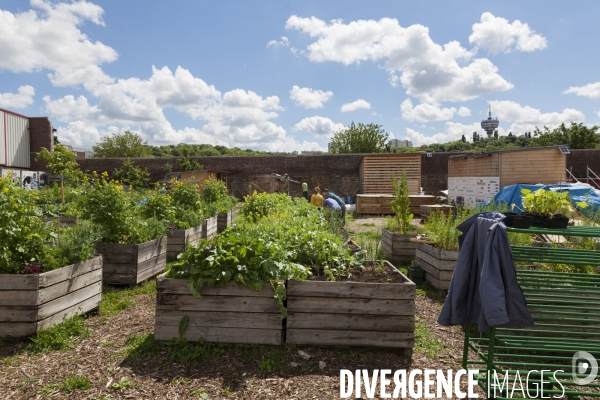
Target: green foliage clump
x,y
159,205
59,337
71,246
441,229
401,206
61,162
548,202
213,190
124,145
22,232
132,175
288,240
361,138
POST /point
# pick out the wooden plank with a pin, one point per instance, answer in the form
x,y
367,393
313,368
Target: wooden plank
x,y
119,258
55,306
18,313
124,268
63,288
348,290
18,282
350,322
18,297
350,306
443,265
116,248
441,275
181,286
216,303
151,254
154,270
220,319
175,234
221,335
118,279
17,329
350,338
449,255
151,263
68,272
77,309
160,242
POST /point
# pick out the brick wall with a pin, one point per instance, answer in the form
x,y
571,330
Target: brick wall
x,y
339,173
40,135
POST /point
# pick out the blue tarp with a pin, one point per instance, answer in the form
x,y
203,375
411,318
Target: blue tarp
x,y
578,192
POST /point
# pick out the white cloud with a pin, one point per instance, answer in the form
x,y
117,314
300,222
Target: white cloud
x,y
21,99
319,126
236,118
309,98
496,35
591,90
49,38
279,43
355,105
425,112
429,71
464,112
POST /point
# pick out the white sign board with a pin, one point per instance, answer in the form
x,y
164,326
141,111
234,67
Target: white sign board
x,y
471,191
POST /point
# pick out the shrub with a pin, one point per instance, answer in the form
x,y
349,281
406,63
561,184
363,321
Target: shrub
x,y
132,175
401,206
71,246
213,190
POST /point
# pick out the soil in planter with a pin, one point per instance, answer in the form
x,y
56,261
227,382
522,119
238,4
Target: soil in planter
x,y
369,274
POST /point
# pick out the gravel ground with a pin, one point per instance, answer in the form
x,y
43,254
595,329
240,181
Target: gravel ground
x,y
122,361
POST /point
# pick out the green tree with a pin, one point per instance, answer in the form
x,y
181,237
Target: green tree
x,y
359,138
576,136
463,139
401,204
61,162
126,144
132,175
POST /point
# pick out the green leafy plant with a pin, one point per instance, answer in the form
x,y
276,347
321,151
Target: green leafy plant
x,y
441,229
548,202
213,190
22,232
71,246
123,384
59,337
132,175
401,205
61,162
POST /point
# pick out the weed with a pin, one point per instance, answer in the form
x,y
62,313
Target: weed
x,y
184,352
124,383
201,393
69,385
427,290
59,337
271,361
106,343
116,300
425,340
227,392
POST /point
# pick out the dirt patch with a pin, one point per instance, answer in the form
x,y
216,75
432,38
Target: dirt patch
x,y
374,273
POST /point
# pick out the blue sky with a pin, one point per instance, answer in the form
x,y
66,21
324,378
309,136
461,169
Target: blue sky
x,y
282,76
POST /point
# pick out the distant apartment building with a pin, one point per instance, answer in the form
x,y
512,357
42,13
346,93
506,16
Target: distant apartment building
x,y
395,143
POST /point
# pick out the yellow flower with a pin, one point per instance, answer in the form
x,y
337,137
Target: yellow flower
x,y
5,190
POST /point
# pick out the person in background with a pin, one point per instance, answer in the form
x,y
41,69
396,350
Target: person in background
x,y
305,191
330,195
316,199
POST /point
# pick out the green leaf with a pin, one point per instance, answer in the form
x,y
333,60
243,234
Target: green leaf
x,y
183,325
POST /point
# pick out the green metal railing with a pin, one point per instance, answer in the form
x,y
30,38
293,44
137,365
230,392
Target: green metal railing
x,y
566,311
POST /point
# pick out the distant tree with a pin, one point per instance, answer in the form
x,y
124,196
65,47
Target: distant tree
x,y
186,164
475,137
496,134
126,144
463,139
359,138
56,140
576,136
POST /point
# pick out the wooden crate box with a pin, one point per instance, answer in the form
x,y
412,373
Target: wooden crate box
x,y
209,228
398,246
438,264
224,220
130,264
179,239
351,313
31,303
224,314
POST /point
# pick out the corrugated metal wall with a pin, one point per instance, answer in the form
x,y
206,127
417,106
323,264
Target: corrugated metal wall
x,y
15,138
2,139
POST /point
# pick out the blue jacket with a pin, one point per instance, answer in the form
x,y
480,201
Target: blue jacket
x,y
484,286
336,198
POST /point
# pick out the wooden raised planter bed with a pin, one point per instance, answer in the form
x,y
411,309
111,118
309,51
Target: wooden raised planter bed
x,y
352,313
224,220
224,314
31,303
130,264
398,246
65,222
179,239
209,228
438,264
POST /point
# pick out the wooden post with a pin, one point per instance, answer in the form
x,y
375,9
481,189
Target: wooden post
x,y
62,189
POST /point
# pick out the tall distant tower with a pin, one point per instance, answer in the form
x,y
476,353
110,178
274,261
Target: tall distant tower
x,y
489,125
